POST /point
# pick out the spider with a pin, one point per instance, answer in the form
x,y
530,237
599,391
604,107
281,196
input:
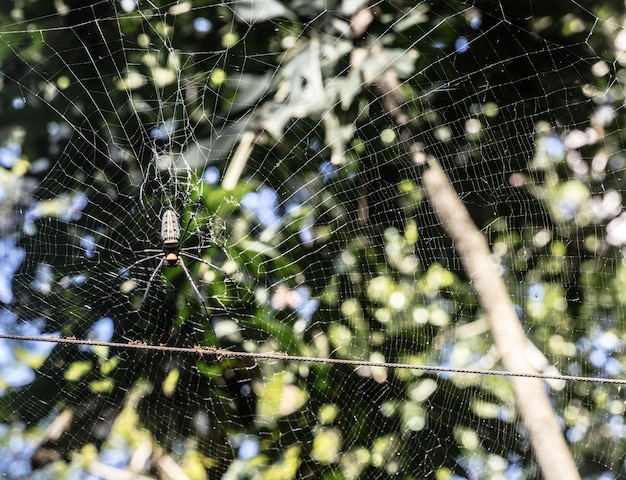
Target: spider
x,y
171,253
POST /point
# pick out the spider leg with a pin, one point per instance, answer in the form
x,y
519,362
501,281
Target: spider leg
x,y
191,217
214,267
145,293
125,270
193,285
149,250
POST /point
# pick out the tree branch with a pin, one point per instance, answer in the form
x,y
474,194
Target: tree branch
x,y
532,400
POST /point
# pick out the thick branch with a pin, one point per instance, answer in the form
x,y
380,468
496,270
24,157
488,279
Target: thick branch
x,y
545,434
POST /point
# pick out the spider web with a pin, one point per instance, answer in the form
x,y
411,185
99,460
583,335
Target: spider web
x,y
275,132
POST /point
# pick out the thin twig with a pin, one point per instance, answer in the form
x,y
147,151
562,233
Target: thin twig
x,y
219,353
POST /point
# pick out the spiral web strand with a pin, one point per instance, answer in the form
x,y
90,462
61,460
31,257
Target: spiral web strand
x,y
324,324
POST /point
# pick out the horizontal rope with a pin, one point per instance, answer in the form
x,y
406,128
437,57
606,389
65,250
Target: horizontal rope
x,y
220,353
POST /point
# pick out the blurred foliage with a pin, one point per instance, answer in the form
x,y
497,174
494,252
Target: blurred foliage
x,y
334,251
